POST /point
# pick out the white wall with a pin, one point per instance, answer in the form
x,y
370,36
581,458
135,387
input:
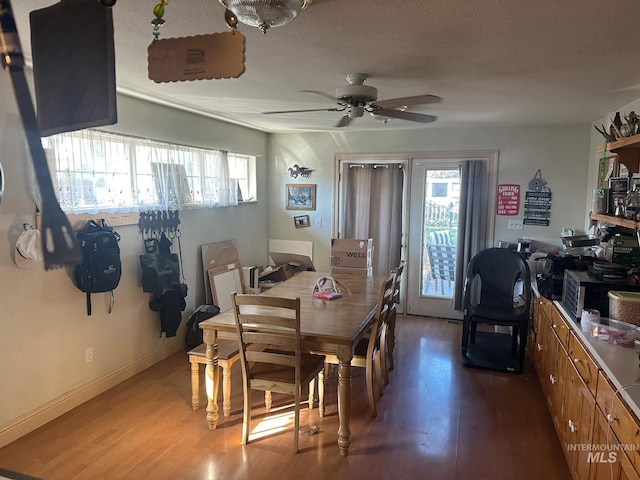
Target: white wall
x,y
44,326
561,152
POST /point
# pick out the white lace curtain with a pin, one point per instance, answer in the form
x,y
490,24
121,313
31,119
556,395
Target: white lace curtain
x,y
95,171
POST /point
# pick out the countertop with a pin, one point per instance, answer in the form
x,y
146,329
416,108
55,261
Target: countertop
x,y
620,364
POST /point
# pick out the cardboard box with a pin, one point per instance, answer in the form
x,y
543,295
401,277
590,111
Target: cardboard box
x,y
352,253
368,271
624,251
276,274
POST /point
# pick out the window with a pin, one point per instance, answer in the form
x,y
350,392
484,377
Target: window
x,y
95,171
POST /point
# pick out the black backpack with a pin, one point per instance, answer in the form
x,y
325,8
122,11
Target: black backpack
x,y
101,268
194,335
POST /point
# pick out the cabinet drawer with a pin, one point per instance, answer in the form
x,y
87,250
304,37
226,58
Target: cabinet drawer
x,y
604,394
623,423
560,326
583,362
545,305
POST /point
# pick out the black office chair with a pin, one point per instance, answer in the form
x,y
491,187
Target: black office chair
x,y
497,292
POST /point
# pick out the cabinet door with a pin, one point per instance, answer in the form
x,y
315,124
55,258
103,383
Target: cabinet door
x,y
558,379
547,347
610,463
541,346
538,319
579,406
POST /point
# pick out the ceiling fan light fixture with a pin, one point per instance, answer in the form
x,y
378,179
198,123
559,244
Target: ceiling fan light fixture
x,y
265,14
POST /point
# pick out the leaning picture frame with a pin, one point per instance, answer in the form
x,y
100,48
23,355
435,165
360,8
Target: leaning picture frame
x,y
300,196
301,221
619,185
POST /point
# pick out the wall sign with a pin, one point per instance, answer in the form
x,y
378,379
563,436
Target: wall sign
x,y
508,199
537,202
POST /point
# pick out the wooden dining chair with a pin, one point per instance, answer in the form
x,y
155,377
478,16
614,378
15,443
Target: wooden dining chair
x,y
282,367
368,351
389,335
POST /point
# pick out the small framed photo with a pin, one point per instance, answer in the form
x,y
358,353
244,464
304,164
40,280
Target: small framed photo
x,y
611,168
619,185
300,196
623,171
635,182
301,221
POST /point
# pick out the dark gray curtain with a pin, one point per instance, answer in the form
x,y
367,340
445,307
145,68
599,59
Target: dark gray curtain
x,y
373,209
472,232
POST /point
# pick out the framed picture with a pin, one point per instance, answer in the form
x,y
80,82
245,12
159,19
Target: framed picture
x,y
300,196
608,168
635,181
623,171
301,221
619,185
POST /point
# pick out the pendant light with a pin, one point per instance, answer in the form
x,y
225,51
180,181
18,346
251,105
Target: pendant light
x,y
265,14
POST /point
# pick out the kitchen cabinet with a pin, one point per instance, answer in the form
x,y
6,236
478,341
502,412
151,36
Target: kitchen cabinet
x,y
609,462
577,429
540,305
551,363
606,466
586,409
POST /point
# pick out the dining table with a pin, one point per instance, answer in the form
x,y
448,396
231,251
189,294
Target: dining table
x,y
333,326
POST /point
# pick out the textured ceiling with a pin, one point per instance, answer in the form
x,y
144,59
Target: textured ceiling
x,y
494,62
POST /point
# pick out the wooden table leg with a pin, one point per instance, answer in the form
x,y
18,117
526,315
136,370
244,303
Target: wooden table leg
x,y
212,377
344,404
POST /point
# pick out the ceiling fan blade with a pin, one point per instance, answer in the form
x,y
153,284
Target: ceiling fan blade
x,y
413,117
407,101
326,95
345,121
307,110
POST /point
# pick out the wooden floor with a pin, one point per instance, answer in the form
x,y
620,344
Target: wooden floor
x,y
437,420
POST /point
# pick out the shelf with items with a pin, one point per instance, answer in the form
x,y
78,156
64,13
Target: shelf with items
x,y
619,221
628,151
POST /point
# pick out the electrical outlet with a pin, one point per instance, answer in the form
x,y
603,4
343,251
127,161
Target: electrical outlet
x,y
88,355
318,222
515,225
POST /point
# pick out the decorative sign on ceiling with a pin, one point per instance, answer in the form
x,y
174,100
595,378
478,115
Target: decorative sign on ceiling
x,y
537,202
508,202
201,57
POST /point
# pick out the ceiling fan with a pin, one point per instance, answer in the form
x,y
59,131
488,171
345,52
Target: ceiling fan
x,y
356,98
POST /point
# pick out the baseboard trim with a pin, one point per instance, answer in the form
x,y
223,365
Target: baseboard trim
x,y
49,411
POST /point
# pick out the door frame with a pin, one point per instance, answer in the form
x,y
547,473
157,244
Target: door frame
x,y
490,156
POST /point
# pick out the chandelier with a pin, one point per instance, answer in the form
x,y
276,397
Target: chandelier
x,y
265,14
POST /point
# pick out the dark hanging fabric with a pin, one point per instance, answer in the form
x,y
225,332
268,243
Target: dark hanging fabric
x,y
161,278
170,305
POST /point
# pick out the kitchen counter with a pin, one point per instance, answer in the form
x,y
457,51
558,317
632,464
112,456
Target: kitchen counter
x,y
620,364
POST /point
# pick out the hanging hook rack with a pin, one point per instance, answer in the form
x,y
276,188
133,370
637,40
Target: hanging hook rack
x,y
155,222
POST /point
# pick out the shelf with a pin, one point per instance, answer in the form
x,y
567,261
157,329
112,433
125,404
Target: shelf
x,y
619,221
628,151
